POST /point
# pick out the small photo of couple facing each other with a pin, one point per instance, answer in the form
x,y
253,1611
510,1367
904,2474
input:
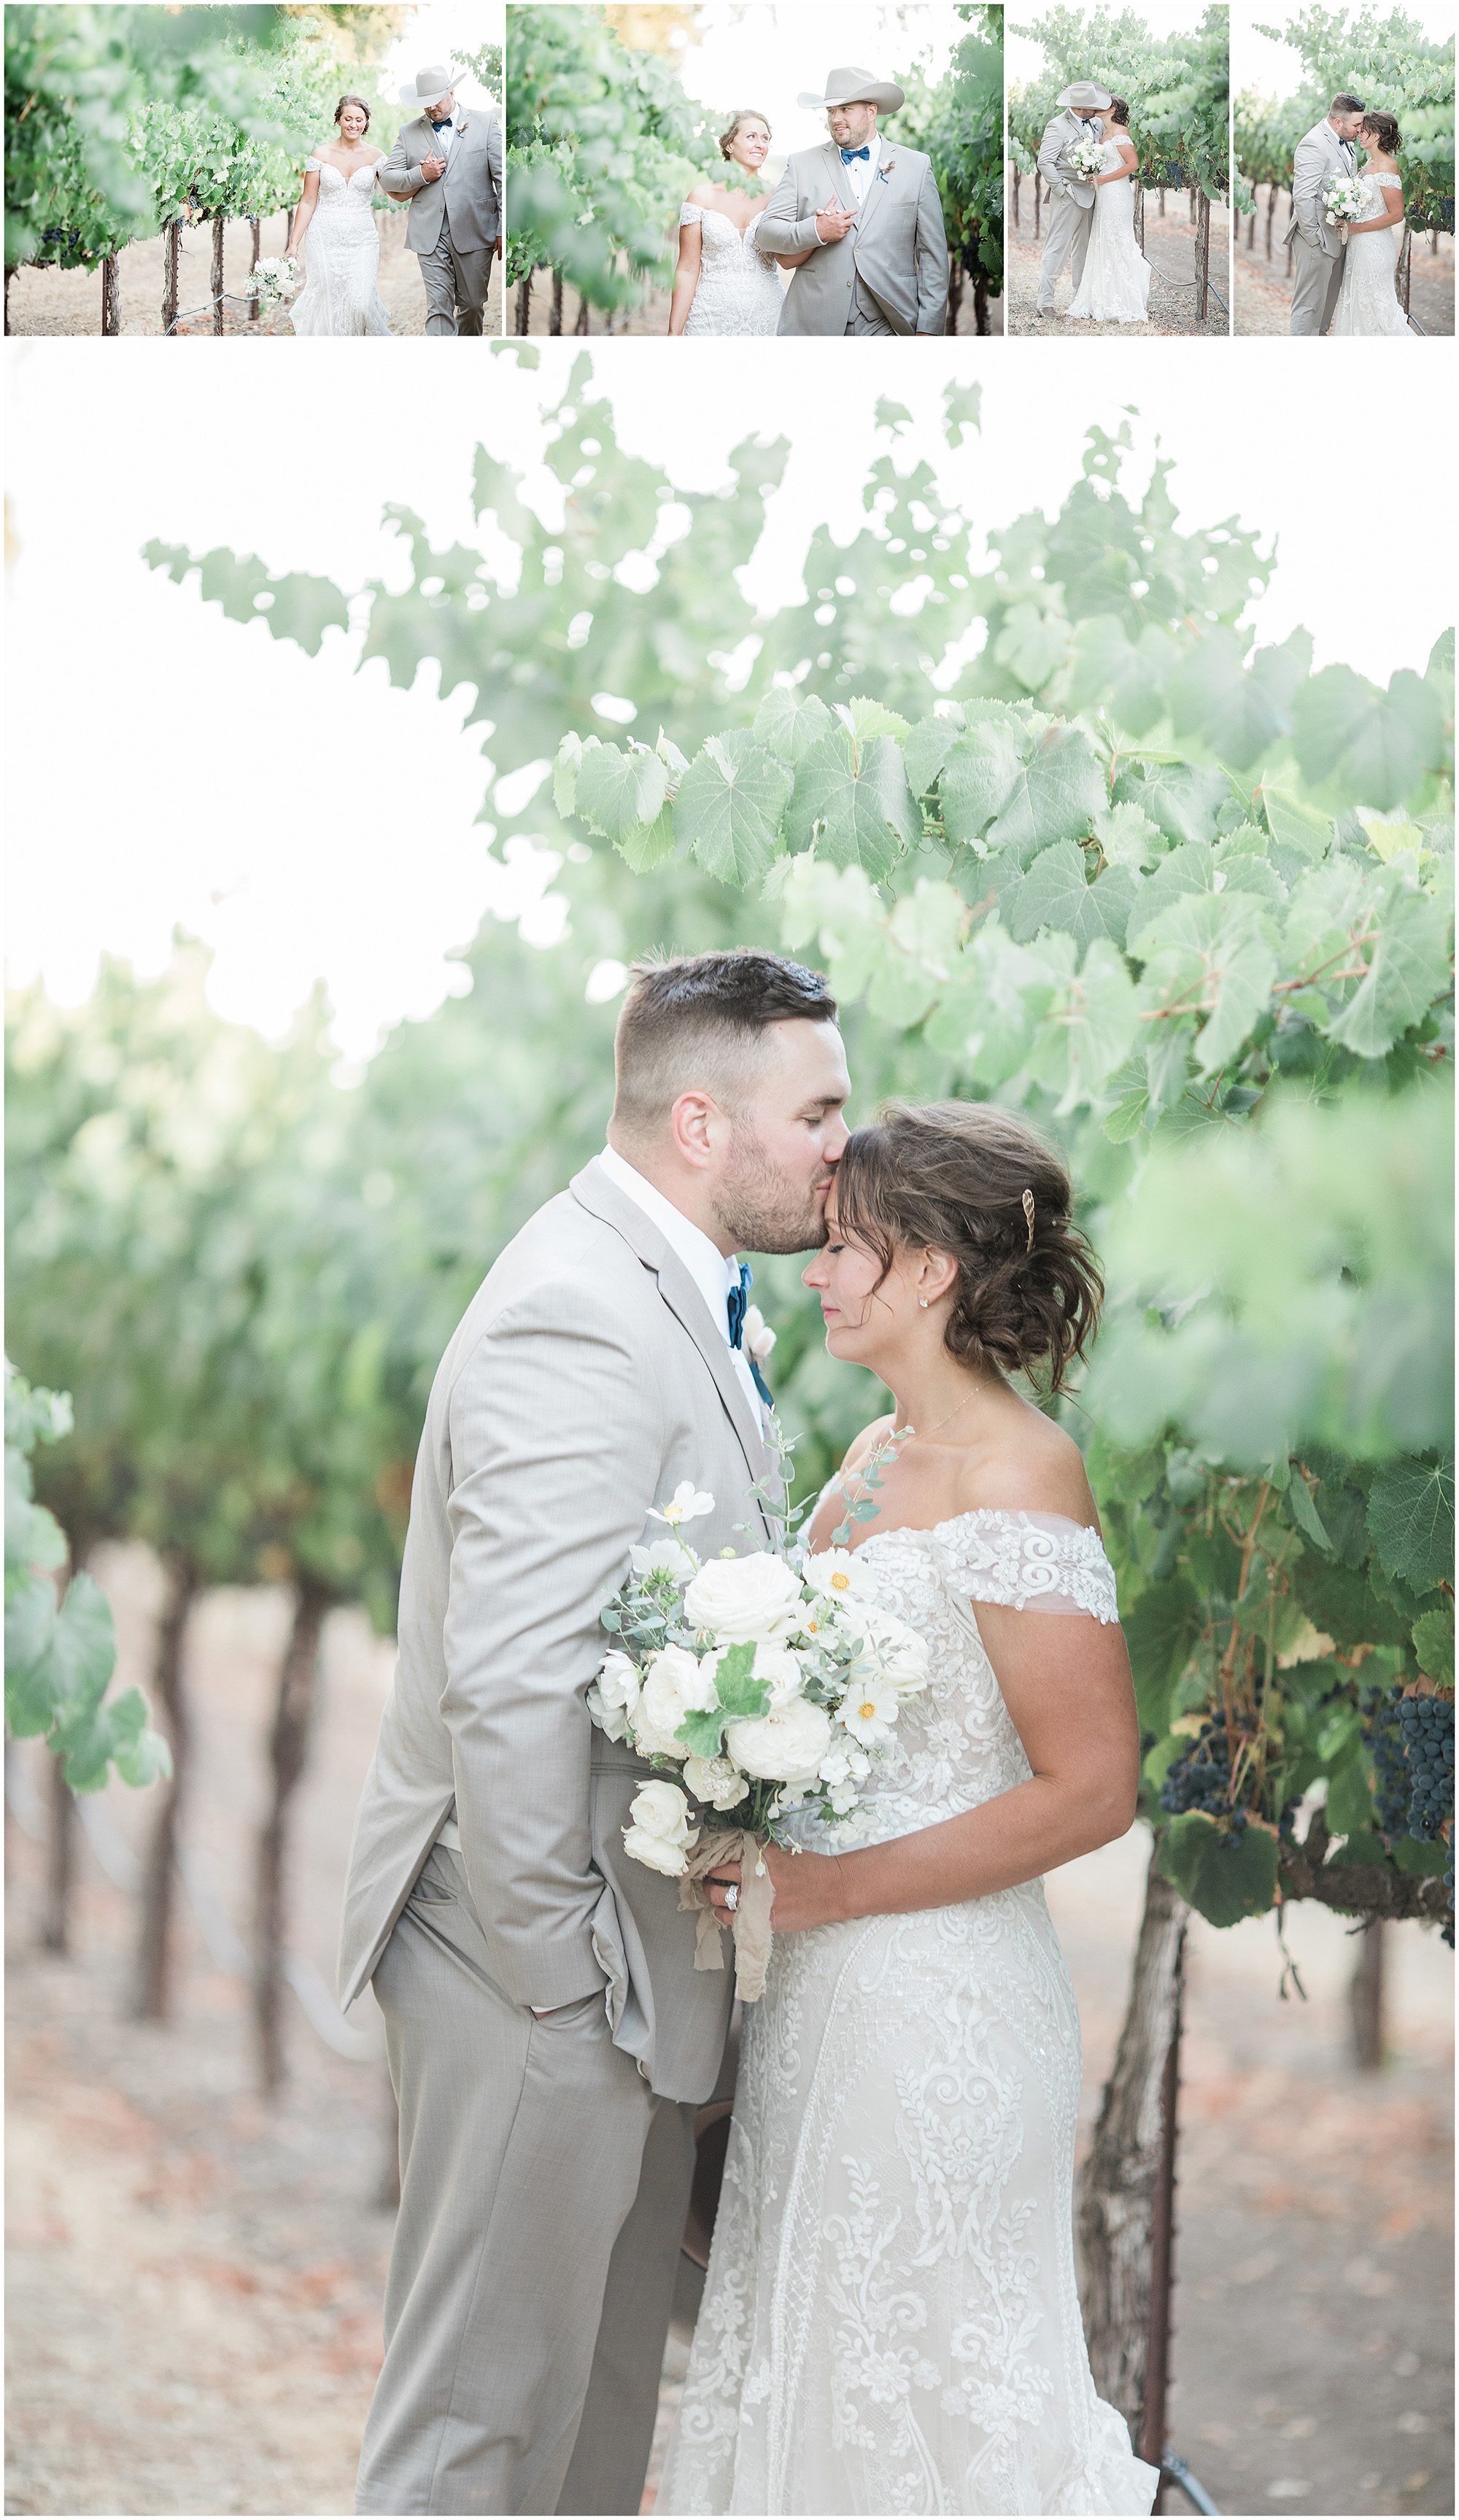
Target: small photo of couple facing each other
x,y
1119,170
703,175
1349,133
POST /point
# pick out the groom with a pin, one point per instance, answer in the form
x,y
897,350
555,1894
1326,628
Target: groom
x,y
1071,197
862,219
447,165
549,2036
1318,250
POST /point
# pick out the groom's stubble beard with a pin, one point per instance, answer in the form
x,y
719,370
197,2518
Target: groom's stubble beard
x,y
760,1208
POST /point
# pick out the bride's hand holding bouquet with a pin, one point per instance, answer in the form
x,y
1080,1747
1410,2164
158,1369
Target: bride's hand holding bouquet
x,y
1086,157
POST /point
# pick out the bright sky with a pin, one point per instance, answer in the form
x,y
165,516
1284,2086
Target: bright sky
x,y
1276,70
310,821
1024,60
438,32
758,52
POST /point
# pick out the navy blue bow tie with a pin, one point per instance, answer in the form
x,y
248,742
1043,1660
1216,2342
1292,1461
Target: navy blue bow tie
x,y
735,1302
443,125
847,154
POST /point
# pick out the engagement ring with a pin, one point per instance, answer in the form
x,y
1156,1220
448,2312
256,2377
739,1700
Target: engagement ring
x,y
732,1897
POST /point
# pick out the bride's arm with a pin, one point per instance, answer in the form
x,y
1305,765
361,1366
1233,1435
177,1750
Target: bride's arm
x,y
686,277
1390,218
305,211
1129,160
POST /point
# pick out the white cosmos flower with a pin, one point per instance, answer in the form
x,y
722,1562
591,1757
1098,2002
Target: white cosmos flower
x,y
839,1573
717,1782
740,1598
661,1558
787,1744
661,1835
688,1504
870,1708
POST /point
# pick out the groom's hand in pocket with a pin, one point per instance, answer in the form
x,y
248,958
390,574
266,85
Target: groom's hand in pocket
x,y
833,222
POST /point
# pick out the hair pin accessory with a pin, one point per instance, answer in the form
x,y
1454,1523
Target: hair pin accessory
x,y
1027,1206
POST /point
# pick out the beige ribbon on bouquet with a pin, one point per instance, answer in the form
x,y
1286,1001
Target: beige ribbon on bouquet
x,y
748,1922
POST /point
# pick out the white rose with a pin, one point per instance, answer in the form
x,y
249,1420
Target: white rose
x,y
610,1720
660,1837
717,1782
788,1742
839,1573
675,1682
898,1649
777,1665
618,1680
739,1599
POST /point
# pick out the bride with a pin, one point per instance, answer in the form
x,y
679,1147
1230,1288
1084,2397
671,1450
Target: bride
x,y
340,294
723,283
1367,302
1115,285
890,2319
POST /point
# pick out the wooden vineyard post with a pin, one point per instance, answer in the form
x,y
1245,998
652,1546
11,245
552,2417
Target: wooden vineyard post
x,y
170,273
555,318
216,281
582,324
954,294
1203,257
254,226
289,1745
61,1845
523,301
110,295
1365,2000
980,301
1163,200
1154,2420
1014,182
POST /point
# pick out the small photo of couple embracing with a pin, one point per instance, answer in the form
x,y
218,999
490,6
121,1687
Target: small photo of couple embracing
x,y
647,1749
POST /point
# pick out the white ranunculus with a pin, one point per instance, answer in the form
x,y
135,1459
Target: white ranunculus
x,y
778,1667
675,1684
618,1680
839,1573
661,1558
740,1598
661,1835
716,1782
612,1720
787,1744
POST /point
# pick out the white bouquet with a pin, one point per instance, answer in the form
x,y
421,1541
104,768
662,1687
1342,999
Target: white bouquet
x,y
762,1684
1344,200
277,276
1086,157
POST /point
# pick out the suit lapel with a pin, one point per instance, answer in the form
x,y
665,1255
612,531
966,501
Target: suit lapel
x,y
841,182
875,190
603,1199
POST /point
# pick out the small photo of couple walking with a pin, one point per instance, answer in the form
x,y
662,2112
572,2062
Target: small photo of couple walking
x,y
703,174
322,173
1119,174
1344,176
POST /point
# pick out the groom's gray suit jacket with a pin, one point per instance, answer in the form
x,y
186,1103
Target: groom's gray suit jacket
x,y
1060,136
470,189
584,1382
1319,155
896,255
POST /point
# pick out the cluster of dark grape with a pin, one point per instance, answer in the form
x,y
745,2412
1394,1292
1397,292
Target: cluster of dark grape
x,y
1390,1779
1200,1780
1428,1744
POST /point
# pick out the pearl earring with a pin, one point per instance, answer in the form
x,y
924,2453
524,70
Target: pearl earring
x,y
922,1299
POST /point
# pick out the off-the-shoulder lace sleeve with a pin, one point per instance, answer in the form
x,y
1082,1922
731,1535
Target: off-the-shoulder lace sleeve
x,y
1032,1562
1395,182
691,216
313,165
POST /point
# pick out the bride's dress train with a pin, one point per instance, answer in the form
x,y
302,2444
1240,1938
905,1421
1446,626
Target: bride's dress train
x,y
1115,285
341,257
890,2319
739,290
1367,302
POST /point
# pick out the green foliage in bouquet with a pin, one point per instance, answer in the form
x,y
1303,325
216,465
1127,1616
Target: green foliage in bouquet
x,y
602,147
1388,60
1066,838
1177,88
60,1654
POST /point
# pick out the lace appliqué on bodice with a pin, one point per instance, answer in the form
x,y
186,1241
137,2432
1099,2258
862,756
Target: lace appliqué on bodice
x,y
1368,299
738,291
341,256
890,2321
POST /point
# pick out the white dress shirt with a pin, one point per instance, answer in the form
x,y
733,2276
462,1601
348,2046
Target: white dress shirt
x,y
716,1277
861,169
444,137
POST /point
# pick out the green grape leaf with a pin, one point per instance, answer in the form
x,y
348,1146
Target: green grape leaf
x,y
1187,870
647,844
1129,837
565,771
1434,1644
869,717
1304,1512
1182,800
1409,967
1412,1521
1161,1632
977,772
1222,1884
1088,1029
1052,893
1204,953
788,726
1240,710
729,806
1106,672
617,793
1380,743
1300,834
1054,797
852,801
84,1645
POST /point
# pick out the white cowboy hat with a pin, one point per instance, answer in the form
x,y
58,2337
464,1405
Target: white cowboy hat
x,y
1084,98
430,85
852,86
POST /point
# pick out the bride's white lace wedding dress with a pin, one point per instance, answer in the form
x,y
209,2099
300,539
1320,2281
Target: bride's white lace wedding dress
x,y
1367,302
1115,284
341,256
739,290
890,2319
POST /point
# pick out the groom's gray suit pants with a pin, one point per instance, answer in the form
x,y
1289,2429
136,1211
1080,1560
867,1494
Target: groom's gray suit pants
x,y
1068,242
1317,281
456,283
543,2191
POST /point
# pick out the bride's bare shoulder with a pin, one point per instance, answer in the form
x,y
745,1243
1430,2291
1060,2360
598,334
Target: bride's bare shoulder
x,y
703,195
869,1437
1030,1465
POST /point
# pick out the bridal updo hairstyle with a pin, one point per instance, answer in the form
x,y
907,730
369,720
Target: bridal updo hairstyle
x,y
952,1175
1119,112
1385,130
353,100
745,113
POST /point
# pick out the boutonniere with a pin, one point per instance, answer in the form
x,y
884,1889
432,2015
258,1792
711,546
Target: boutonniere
x,y
884,169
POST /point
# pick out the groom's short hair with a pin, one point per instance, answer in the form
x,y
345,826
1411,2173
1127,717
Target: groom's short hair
x,y
1346,104
700,1019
